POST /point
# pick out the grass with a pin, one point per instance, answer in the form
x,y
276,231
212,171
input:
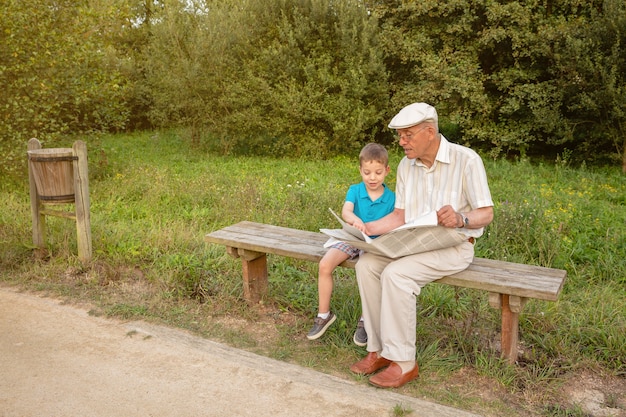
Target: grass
x,y
153,198
400,410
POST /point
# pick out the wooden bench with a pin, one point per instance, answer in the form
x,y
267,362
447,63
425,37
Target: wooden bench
x,y
509,284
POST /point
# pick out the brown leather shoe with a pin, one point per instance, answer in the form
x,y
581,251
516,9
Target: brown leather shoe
x,y
369,364
392,377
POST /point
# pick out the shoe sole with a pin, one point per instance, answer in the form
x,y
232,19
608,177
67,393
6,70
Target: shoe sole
x,y
356,342
403,380
321,332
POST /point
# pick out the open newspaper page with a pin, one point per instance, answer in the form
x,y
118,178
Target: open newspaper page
x,y
421,235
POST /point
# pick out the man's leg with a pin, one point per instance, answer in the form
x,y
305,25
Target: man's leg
x,y
401,282
368,270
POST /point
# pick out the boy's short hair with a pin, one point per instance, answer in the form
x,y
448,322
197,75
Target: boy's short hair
x,y
374,152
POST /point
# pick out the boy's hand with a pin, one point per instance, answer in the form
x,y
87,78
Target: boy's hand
x,y
358,223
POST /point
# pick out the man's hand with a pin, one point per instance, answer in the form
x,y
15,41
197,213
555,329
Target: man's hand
x,y
447,217
387,223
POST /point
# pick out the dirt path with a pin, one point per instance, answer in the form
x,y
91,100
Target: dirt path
x,y
57,361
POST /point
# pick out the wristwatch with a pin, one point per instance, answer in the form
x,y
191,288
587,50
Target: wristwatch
x,y
465,220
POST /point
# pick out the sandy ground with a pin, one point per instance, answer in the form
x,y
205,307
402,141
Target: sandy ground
x,y
57,361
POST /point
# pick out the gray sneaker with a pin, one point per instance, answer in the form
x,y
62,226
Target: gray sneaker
x,y
360,335
320,325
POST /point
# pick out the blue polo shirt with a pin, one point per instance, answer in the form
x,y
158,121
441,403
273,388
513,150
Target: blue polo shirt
x,y
365,208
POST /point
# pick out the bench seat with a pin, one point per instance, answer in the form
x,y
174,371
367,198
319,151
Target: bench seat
x,y
509,284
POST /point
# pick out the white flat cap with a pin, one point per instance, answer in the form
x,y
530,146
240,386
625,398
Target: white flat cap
x,y
412,115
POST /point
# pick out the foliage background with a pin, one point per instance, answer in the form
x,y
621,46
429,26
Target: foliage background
x,y
317,77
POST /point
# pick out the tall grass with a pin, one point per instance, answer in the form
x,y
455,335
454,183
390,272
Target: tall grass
x,y
153,198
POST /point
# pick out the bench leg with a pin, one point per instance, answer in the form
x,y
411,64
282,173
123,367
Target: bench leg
x,y
510,307
254,275
510,330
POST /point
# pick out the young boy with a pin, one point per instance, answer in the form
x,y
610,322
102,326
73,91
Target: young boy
x,y
367,201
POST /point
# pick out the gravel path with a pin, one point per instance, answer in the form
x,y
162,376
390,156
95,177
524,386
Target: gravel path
x,y
58,361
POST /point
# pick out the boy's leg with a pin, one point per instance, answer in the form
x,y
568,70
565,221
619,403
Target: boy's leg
x,y
327,265
325,317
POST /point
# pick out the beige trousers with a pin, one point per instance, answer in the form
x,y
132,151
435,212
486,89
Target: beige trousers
x,y
388,288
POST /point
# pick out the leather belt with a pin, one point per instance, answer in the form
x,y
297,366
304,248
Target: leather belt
x,y
471,240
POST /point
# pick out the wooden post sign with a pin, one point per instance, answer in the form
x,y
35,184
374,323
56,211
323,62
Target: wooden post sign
x,y
59,176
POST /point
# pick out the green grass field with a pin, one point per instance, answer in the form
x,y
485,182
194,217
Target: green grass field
x,y
153,198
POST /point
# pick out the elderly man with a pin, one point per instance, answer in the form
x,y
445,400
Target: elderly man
x,y
434,175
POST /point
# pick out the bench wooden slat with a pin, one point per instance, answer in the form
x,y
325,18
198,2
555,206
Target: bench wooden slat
x,y
277,240
483,274
509,278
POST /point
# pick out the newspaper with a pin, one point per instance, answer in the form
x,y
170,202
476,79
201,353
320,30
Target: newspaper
x,y
420,235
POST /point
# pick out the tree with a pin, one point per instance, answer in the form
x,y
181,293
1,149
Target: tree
x,y
318,77
513,77
315,69
590,71
284,77
59,76
186,63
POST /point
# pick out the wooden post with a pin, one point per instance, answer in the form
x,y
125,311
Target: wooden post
x,y
81,201
254,275
39,220
510,333
254,265
510,306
